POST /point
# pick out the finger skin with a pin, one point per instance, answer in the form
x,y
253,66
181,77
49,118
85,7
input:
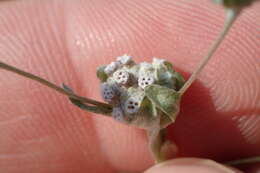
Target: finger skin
x,y
185,165
65,42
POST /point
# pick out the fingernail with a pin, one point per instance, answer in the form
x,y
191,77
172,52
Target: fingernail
x,y
184,165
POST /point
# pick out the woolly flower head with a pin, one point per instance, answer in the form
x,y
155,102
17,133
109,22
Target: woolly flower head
x,y
124,84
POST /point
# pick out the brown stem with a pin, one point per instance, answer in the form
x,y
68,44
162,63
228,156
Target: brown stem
x,y
244,161
53,86
230,18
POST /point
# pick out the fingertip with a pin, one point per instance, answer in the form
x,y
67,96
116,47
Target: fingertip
x,y
184,165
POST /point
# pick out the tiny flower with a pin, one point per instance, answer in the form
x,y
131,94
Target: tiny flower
x,y
118,114
109,93
122,77
111,68
132,105
145,80
125,59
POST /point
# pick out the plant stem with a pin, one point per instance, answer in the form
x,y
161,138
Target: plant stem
x,y
52,86
78,103
231,16
244,161
155,143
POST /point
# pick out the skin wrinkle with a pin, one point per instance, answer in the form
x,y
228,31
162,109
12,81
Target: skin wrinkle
x,y
152,29
242,83
52,122
14,156
14,120
247,125
129,33
81,76
222,96
77,142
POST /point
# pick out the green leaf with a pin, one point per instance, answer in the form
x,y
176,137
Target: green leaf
x,y
168,77
101,74
165,99
149,107
179,80
178,77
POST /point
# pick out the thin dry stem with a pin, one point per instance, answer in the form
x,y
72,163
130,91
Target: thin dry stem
x,y
244,161
230,18
53,86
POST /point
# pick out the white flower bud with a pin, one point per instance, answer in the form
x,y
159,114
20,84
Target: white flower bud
x,y
132,105
125,59
145,80
111,67
122,77
109,93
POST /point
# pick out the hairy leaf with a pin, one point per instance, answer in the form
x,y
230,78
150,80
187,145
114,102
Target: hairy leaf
x,y
165,99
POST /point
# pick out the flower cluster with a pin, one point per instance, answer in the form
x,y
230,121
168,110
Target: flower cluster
x,y
123,85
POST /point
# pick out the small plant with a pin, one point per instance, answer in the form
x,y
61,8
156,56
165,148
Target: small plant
x,y
146,95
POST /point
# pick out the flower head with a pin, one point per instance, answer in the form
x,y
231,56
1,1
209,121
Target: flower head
x,y
125,85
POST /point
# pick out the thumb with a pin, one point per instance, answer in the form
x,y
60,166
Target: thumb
x,y
184,165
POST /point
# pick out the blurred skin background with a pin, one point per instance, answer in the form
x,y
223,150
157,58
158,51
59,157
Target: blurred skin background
x,y
65,41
